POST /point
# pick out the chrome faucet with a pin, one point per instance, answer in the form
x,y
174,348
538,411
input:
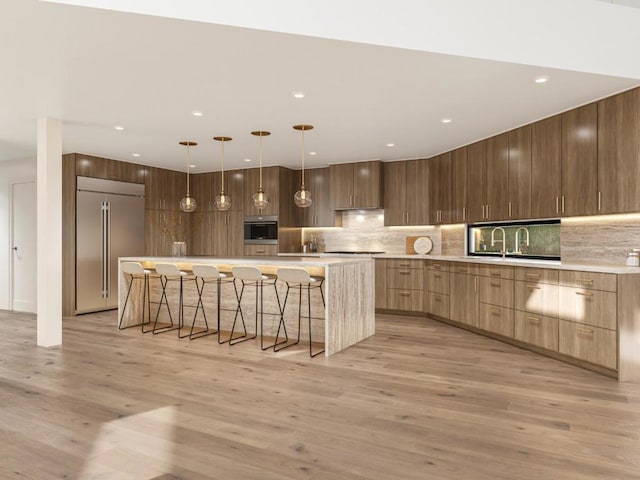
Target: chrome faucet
x,y
517,246
493,240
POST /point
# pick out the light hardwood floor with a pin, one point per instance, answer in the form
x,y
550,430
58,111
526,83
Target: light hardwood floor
x,y
419,400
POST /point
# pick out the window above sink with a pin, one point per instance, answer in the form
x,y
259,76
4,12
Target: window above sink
x,y
531,239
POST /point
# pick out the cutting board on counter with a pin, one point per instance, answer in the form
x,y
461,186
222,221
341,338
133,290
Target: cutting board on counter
x,y
425,245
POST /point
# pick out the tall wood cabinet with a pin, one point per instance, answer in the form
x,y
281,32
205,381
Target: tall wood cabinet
x,y
497,178
459,172
406,193
519,193
319,214
440,189
546,167
619,153
476,181
356,185
270,184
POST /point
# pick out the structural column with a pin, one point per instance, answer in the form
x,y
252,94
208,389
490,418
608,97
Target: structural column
x,y
49,187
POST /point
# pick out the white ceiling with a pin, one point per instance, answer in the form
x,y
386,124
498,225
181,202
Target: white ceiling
x,y
95,69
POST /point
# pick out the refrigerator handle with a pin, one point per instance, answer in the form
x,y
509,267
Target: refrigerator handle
x,y
107,258
105,247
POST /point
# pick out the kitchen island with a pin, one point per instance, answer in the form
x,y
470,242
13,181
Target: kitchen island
x,y
347,318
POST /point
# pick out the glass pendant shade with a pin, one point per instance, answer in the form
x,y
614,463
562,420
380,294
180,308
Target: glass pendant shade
x,y
260,199
188,204
223,201
302,197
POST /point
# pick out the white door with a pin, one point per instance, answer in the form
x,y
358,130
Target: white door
x,y
23,244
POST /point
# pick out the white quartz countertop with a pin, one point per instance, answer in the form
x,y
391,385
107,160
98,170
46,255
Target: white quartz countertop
x,y
325,261
524,262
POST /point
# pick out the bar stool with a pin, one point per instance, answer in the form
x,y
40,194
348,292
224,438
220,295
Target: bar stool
x,y
208,274
170,273
249,275
298,277
136,272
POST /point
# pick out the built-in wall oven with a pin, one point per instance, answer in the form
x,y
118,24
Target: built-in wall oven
x,y
261,229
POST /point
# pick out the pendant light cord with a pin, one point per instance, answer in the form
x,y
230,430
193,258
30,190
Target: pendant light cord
x,y
260,161
302,153
222,162
188,164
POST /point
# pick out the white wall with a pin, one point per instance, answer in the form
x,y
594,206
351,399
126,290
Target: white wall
x,y
9,170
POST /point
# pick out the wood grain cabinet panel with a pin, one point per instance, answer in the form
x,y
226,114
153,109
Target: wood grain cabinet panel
x,y
438,304
440,189
497,186
593,307
439,265
416,193
464,298
538,298
260,250
536,330
619,153
592,280
476,181
589,343
319,214
459,171
395,193
546,167
271,186
497,291
543,275
341,180
405,278
519,194
496,271
405,300
356,185
579,161
496,319
381,283
438,281
405,263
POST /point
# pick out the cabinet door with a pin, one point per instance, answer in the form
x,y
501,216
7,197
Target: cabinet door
x,y
546,167
500,320
417,192
200,233
341,188
234,186
464,292
537,330
579,161
260,250
124,171
324,216
476,181
270,184
619,153
203,189
174,188
218,234
497,186
459,185
396,192
381,283
367,185
439,189
519,205
152,189
89,166
593,344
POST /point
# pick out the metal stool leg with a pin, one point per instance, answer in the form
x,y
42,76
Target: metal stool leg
x,y
164,300
282,322
200,304
244,338
275,343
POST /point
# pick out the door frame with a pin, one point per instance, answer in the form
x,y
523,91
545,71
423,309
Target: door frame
x,y
12,182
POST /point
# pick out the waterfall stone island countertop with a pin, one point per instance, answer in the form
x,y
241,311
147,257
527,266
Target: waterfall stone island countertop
x,y
349,289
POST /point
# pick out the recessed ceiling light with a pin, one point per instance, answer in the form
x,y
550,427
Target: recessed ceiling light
x,y
135,154
446,120
313,153
247,159
192,166
119,127
197,113
298,95
391,144
542,79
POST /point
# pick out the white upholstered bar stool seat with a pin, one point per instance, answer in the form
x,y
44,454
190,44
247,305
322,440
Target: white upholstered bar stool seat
x,y
170,272
136,271
251,275
300,278
206,274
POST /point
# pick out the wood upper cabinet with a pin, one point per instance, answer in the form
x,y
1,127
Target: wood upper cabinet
x,y
217,234
546,167
459,209
319,214
579,161
619,153
356,185
270,184
406,193
164,189
234,186
497,178
203,190
476,181
440,189
519,204
98,167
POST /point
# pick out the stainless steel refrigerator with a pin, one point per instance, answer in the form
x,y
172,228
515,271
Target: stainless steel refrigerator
x,y
109,224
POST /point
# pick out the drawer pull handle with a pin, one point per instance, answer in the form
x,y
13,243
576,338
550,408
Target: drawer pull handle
x,y
404,272
584,280
404,294
493,284
588,331
495,313
259,251
533,287
584,294
437,267
437,275
437,299
495,274
405,265
533,275
535,320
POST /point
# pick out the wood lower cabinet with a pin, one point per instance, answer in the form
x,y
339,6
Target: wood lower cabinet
x,y
496,319
381,283
356,185
261,250
588,343
583,305
437,300
464,295
405,285
537,330
496,291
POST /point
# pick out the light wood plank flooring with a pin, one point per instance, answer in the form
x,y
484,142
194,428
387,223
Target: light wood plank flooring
x,y
419,400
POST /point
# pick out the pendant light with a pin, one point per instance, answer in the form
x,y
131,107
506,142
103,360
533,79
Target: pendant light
x,y
188,203
261,199
302,198
223,202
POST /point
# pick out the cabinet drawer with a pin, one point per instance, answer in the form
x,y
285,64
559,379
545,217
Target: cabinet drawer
x,y
537,330
405,300
539,298
597,281
260,250
438,304
438,265
496,291
496,319
537,275
592,307
593,344
438,281
406,278
468,268
496,272
405,263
